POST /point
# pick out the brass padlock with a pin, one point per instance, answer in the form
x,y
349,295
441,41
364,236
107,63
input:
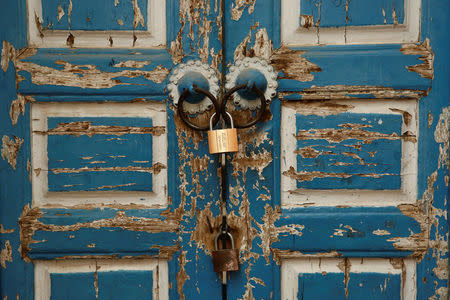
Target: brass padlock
x,y
222,140
225,260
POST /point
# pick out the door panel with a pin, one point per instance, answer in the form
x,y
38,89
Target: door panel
x,y
340,191
99,153
101,279
342,278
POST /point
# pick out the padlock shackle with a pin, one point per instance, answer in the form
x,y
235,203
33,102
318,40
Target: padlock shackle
x,y
216,246
212,118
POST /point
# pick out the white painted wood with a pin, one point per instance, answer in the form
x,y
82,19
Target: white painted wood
x,y
154,38
292,267
294,197
42,197
293,34
43,269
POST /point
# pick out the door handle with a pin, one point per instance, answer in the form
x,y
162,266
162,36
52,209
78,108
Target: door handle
x,y
251,83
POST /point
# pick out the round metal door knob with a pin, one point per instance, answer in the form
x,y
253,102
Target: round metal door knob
x,y
250,72
187,75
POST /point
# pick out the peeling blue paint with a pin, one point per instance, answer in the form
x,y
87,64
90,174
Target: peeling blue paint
x,y
99,151
379,171
360,13
92,15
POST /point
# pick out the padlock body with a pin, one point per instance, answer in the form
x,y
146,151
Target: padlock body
x,y
223,141
226,260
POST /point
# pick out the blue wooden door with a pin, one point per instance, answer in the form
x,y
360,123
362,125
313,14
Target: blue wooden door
x,y
339,193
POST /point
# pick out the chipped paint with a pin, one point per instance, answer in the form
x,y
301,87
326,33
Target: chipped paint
x,y
262,46
442,136
421,212
39,26
350,92
307,108
345,266
426,214
85,76
269,232
407,117
280,255
8,54
86,128
10,149
155,169
293,65
309,176
351,131
6,254
3,230
195,16
424,69
430,119
138,17
60,12
182,275
29,223
306,21
394,16
132,64
18,107
238,7
381,232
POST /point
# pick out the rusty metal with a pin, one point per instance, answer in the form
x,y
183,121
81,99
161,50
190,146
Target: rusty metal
x,y
220,108
260,112
225,260
185,118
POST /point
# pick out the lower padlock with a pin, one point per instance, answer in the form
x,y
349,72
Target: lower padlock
x,y
222,140
225,260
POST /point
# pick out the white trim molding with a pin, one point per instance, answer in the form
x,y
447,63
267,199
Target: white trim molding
x,y
155,37
293,34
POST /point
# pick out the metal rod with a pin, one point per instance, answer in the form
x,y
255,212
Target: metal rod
x,y
223,206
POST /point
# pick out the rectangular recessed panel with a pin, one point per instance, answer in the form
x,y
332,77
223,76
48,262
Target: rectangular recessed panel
x,y
356,152
352,13
72,286
368,286
93,15
345,22
349,151
96,24
118,285
348,278
99,154
103,279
